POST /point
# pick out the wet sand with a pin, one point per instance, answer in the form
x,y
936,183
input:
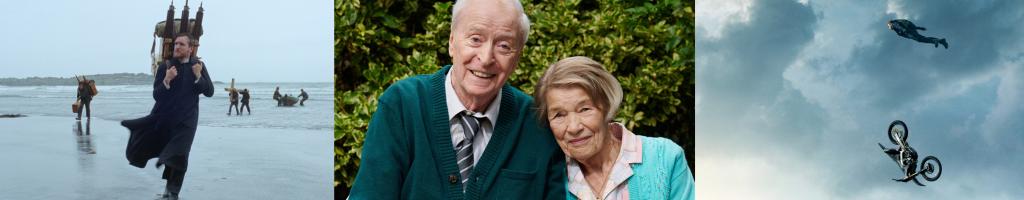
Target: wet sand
x,y
52,158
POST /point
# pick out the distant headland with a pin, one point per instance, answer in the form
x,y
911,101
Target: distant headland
x,y
101,79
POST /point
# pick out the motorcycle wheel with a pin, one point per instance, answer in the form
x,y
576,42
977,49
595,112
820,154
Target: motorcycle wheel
x,y
931,171
898,132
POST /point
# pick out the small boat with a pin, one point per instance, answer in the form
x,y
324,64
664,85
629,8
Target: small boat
x,y
288,100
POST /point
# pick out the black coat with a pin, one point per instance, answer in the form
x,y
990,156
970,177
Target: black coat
x,y
168,130
85,92
245,97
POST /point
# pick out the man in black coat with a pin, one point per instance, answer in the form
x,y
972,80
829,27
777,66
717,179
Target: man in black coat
x,y
245,101
277,96
167,132
85,95
304,96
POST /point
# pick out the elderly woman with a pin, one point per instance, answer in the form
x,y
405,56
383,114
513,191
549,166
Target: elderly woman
x,y
579,99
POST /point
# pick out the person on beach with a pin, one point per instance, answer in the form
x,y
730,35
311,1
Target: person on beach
x,y
167,132
233,98
463,132
277,96
245,101
85,93
304,96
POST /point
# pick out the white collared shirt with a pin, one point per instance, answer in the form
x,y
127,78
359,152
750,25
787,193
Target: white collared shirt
x,y
617,185
455,106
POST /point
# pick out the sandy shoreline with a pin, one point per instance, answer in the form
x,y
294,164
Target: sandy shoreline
x,y
46,158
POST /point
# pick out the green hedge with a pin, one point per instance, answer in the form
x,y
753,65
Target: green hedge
x,y
647,45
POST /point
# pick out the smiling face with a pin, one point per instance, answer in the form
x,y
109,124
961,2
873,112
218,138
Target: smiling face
x,y
485,47
577,123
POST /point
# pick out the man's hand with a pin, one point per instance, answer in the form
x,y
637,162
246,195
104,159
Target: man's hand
x,y
169,75
197,69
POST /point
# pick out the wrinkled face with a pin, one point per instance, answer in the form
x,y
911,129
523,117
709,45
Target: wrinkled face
x,y
182,49
485,48
576,122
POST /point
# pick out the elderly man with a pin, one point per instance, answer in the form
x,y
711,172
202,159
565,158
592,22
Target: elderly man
x,y
462,132
167,132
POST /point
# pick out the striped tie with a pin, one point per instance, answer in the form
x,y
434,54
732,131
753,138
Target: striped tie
x,y
464,149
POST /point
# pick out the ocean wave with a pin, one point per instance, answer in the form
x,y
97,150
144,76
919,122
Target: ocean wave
x,y
11,96
120,102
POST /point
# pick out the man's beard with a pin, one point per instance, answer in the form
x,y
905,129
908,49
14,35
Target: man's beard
x,y
181,56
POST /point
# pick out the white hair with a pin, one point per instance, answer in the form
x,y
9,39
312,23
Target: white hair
x,y
524,21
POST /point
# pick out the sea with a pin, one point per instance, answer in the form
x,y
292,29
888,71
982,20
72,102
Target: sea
x,y
121,102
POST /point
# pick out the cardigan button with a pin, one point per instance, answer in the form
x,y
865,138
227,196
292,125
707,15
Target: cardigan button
x,y
453,179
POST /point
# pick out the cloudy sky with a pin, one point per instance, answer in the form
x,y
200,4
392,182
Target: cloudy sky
x,y
793,97
264,41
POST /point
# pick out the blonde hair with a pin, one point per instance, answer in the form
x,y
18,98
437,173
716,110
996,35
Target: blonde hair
x,y
585,73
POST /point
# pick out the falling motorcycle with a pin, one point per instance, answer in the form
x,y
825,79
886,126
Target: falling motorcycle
x,y
906,157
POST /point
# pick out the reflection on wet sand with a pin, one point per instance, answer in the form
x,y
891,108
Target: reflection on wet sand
x,y
86,157
236,163
85,145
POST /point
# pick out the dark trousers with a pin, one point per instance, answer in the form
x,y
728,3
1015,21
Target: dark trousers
x,y
85,108
237,109
175,178
245,105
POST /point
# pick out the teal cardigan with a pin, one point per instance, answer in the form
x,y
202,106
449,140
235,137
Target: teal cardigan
x,y
408,151
661,174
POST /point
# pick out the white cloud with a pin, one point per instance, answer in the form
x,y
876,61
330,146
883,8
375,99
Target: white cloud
x,y
1009,108
813,135
714,15
896,8
764,174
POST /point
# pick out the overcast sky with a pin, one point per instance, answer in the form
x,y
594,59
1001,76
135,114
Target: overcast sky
x,y
793,97
264,41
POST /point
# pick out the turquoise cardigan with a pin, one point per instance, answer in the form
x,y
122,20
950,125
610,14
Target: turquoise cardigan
x,y
662,174
408,151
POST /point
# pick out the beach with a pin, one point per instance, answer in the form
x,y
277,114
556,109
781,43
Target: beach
x,y
120,102
49,157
